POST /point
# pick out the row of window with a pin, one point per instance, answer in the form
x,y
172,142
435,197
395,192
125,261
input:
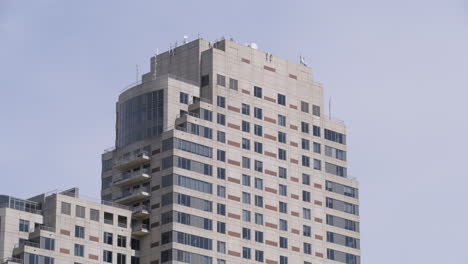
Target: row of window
x,y
341,189
186,239
221,81
187,182
187,200
94,214
187,219
187,146
342,206
187,164
185,257
343,240
342,223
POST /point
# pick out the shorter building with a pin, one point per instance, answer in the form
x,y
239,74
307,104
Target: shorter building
x,y
62,228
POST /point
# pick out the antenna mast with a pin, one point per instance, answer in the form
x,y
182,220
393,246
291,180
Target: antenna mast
x,y
137,73
329,109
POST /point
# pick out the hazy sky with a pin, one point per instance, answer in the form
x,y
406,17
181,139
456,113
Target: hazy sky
x,y
397,72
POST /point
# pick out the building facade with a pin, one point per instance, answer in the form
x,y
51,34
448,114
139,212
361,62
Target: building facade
x,y
226,154
62,228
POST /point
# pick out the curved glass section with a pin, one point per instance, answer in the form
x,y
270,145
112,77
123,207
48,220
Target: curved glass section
x,y
140,117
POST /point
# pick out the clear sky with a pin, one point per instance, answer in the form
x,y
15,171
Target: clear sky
x,y
397,72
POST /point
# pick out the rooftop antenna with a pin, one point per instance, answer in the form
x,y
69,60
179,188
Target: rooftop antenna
x,y
302,60
329,109
155,63
137,73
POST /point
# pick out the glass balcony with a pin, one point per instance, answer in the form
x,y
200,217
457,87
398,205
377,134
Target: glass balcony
x,y
133,177
134,195
132,160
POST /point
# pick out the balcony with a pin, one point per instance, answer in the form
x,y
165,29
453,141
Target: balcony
x,y
141,212
134,195
42,230
12,260
21,247
133,177
132,160
140,229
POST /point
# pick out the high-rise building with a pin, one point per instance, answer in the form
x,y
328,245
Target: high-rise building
x,y
61,228
225,154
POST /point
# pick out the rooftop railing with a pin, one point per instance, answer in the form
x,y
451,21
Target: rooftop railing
x,y
12,260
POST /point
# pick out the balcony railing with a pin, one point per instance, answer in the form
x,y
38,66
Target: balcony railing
x,y
141,207
135,191
44,228
133,159
134,176
12,260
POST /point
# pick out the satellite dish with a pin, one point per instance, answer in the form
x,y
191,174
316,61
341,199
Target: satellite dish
x,y
253,45
185,39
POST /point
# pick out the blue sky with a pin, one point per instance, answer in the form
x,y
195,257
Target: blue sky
x,y
397,73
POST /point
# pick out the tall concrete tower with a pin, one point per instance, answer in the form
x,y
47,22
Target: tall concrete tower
x,y
225,155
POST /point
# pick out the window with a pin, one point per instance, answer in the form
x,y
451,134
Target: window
x,y
79,232
183,98
107,256
245,198
66,208
258,113
245,109
307,248
221,119
281,99
306,213
121,258
258,130
221,247
135,244
259,255
305,196
205,80
246,253
121,241
79,250
221,191
305,179
221,209
282,120
258,200
259,183
221,173
245,126
258,147
335,136
283,190
282,173
134,260
108,238
283,242
281,137
221,101
221,261
122,221
245,216
80,211
108,218
47,243
281,154
283,207
305,161
335,153
258,166
258,219
245,180
305,107
258,92
94,214
221,227
245,163
306,230
305,144
221,80
283,260
221,136
233,84
245,233
246,143
221,155
316,131
317,147
304,127
206,114
259,236
283,225
23,225
316,110
317,164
